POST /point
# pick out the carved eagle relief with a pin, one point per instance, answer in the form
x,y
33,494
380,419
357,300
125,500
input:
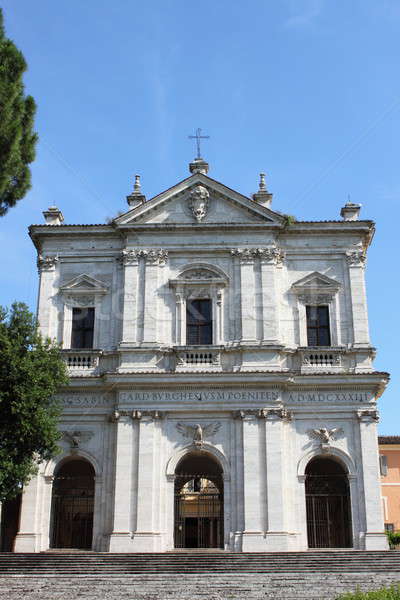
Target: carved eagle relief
x,y
325,435
198,432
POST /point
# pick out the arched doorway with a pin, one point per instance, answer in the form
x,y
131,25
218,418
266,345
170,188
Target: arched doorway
x,y
328,504
72,505
199,502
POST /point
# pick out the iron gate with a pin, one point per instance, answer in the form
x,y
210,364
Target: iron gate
x,y
328,512
198,512
72,510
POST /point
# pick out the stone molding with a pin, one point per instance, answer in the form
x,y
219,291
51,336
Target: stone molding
x,y
136,415
270,414
47,263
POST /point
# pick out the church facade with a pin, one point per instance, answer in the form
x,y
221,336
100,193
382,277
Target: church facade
x,y
222,391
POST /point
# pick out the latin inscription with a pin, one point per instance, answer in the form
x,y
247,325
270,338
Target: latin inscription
x,y
244,396
85,400
332,397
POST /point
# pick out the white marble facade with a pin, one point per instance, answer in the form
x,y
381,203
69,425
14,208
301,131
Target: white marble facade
x,y
259,386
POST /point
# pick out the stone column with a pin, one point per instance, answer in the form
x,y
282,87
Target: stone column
x,y
120,539
269,258
153,260
130,262
247,292
146,537
356,263
29,536
254,527
277,538
47,271
375,538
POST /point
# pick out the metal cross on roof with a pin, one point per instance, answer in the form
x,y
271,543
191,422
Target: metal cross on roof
x,y
198,137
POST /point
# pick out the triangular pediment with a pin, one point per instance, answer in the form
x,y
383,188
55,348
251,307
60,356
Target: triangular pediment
x,y
316,281
199,200
84,284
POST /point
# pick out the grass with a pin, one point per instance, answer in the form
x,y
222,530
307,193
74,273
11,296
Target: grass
x,y
392,593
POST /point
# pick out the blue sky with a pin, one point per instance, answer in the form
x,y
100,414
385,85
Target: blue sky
x,y
307,90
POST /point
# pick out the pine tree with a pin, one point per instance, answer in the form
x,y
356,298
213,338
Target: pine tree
x,y
31,371
17,138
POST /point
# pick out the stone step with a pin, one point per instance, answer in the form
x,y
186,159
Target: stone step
x,y
192,587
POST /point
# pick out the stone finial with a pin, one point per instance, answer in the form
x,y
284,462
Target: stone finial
x,y
53,216
263,197
136,198
199,165
350,211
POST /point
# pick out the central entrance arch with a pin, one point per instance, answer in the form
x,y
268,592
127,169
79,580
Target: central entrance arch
x,y
199,502
328,504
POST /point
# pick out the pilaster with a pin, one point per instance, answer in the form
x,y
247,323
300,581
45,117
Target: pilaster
x,y
356,263
253,539
270,258
130,262
247,293
146,537
277,537
375,538
47,272
120,539
154,259
29,537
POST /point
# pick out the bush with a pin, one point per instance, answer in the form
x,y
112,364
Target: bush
x,y
392,593
393,538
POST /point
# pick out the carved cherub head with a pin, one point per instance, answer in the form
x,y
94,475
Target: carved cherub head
x,y
198,202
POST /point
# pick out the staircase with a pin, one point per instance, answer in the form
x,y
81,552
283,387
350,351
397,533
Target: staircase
x,y
194,575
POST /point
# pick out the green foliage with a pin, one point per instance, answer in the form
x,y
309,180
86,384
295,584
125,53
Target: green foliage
x,y
393,538
31,371
17,139
392,593
289,220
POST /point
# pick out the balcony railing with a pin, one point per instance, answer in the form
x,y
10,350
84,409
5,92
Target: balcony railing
x,y
82,361
321,359
196,357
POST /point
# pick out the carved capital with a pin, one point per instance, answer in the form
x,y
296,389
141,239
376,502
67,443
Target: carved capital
x,y
271,255
368,416
246,255
356,258
155,257
129,257
47,263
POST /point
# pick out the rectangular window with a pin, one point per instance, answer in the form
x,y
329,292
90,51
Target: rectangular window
x,y
198,322
383,465
82,327
318,333
389,527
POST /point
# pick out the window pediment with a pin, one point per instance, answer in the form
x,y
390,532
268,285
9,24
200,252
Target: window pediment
x,y
198,280
83,290
316,288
